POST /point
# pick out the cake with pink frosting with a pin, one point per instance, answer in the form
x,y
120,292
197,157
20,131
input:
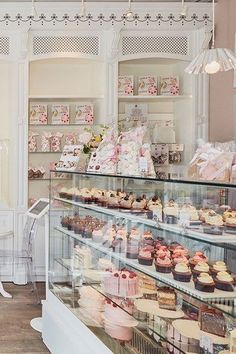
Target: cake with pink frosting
x,y
118,323
121,283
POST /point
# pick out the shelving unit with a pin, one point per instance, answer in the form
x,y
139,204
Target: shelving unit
x,y
76,76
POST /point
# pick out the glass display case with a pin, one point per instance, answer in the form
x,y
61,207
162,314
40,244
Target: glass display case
x,y
146,265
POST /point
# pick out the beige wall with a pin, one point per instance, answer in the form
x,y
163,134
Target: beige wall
x,y
222,125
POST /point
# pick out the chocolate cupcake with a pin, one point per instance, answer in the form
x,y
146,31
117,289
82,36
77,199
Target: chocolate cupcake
x,y
163,264
145,256
182,273
217,267
224,281
201,267
204,282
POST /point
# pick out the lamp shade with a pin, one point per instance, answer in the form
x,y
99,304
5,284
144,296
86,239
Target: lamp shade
x,y
211,61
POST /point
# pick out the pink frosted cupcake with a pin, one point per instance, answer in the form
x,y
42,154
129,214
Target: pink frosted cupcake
x,y
162,251
145,256
163,264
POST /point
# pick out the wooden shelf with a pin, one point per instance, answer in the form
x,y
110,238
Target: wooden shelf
x,y
154,98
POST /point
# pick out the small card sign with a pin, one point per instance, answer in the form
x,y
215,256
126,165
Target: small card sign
x,y
69,158
136,112
143,164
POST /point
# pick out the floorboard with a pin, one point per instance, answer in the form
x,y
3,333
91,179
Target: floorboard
x,y
16,335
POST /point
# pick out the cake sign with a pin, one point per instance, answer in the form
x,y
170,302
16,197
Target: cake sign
x,y
147,85
206,344
60,114
69,158
38,114
126,85
169,86
136,112
84,113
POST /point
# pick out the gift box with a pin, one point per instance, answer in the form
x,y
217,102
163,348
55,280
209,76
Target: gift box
x,y
147,85
126,85
84,113
175,153
169,85
32,142
60,114
38,114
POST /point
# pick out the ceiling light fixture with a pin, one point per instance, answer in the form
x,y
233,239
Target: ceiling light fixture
x,y
129,12
83,9
183,9
212,60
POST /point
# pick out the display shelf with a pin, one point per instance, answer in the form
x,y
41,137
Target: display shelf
x,y
141,324
186,288
188,233
59,97
48,179
153,98
45,152
63,125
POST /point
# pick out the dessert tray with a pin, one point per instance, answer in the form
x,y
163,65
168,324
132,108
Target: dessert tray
x,y
152,307
191,329
167,279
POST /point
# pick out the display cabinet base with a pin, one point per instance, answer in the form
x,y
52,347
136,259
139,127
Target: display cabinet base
x,y
63,332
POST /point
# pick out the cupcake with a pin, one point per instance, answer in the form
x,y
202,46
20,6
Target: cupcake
x,y
65,221
162,251
198,257
182,273
179,257
147,238
204,282
97,235
145,256
171,212
155,208
230,220
126,202
86,196
139,203
217,267
201,267
224,281
203,213
113,201
163,264
132,251
102,200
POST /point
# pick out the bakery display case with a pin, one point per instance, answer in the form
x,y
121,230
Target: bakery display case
x,y
144,265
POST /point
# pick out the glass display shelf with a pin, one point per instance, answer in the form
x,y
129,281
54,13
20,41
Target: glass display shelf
x,y
153,98
185,232
167,279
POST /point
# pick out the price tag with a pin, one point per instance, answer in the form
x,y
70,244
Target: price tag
x,y
157,214
143,164
206,344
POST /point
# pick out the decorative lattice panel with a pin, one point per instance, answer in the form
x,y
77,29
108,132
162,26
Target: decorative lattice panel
x,y
155,44
66,44
4,46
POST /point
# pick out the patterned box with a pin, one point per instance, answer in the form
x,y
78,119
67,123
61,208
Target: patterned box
x,y
38,114
169,85
147,85
84,113
126,85
60,114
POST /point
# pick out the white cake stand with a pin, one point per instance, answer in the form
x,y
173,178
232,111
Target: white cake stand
x,y
152,307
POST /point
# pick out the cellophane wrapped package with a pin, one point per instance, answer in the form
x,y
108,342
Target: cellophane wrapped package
x,y
104,159
134,156
211,164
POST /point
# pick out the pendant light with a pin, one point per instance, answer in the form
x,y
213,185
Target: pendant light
x,y
129,12
212,60
183,9
33,9
83,9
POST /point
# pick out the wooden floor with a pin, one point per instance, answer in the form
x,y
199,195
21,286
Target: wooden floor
x,y
16,335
